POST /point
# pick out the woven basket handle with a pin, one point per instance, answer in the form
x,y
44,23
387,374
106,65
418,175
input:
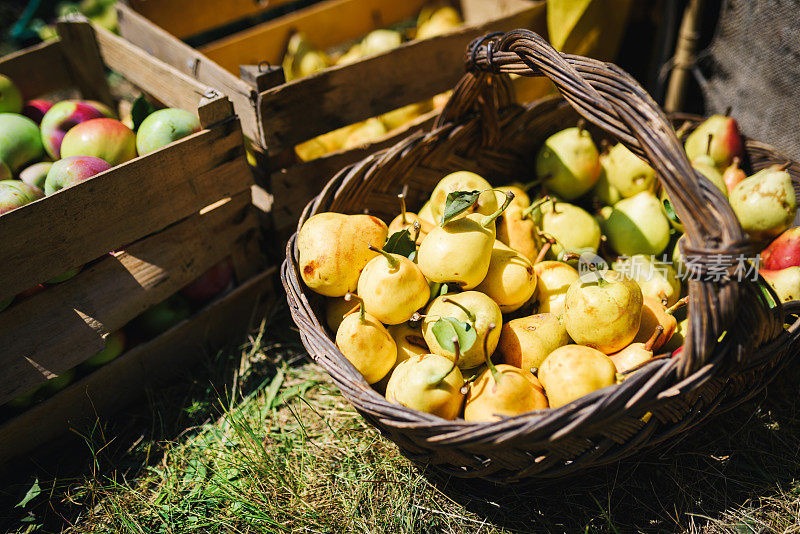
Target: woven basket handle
x,y
608,97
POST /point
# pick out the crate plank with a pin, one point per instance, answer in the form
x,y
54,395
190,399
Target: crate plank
x,y
346,94
160,44
205,14
38,70
60,327
326,24
144,195
83,56
124,380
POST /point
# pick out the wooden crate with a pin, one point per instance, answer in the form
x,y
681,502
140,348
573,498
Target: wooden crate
x,y
280,115
169,216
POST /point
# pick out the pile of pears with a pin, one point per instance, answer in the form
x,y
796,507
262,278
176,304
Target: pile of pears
x,y
302,59
474,307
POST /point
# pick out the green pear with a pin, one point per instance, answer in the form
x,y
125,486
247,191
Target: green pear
x,y
678,337
765,203
603,190
392,287
525,342
603,311
568,163
627,172
657,280
471,307
636,225
572,371
705,164
677,259
572,227
725,144
429,383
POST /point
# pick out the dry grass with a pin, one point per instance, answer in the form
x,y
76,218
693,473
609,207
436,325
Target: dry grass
x,y
259,441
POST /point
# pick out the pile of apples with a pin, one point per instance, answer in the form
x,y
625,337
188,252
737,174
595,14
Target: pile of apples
x,y
473,307
303,59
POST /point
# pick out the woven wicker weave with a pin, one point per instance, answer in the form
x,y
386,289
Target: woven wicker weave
x,y
482,130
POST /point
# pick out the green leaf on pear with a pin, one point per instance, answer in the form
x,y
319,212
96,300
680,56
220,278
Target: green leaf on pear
x,y
401,243
457,203
140,110
670,211
446,328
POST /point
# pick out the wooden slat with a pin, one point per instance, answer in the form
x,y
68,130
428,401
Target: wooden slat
x,y
295,186
83,56
125,380
343,95
81,223
184,18
149,37
326,24
57,329
38,70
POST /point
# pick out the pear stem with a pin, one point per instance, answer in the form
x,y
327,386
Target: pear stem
x,y
648,345
784,166
394,263
490,219
402,198
470,315
436,380
527,186
543,252
708,144
581,124
534,206
417,228
361,311
678,305
735,162
681,132
488,357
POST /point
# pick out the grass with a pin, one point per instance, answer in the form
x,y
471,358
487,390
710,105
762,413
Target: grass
x,y
258,440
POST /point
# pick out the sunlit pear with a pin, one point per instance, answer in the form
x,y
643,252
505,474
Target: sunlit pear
x,y
366,343
554,279
525,342
462,181
510,281
636,354
656,278
569,163
366,132
627,172
429,383
331,267
392,287
572,371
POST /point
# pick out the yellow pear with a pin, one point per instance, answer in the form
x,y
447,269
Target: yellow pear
x,y
392,287
400,117
332,266
470,307
554,279
502,391
510,280
655,314
406,219
366,132
463,181
572,371
657,279
636,354
525,342
366,343
429,383
518,232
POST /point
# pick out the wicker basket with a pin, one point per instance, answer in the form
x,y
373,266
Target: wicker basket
x,y
482,130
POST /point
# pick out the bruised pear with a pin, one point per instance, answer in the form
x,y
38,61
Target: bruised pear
x,y
526,342
765,203
627,172
785,282
636,225
603,311
366,343
636,354
502,391
554,279
331,265
429,383
335,310
462,181
471,307
568,163
572,371
459,251
572,227
392,287
510,280
657,280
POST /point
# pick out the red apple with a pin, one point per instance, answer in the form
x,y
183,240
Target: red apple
x,y
36,109
20,141
61,118
69,171
107,139
783,252
14,194
211,283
